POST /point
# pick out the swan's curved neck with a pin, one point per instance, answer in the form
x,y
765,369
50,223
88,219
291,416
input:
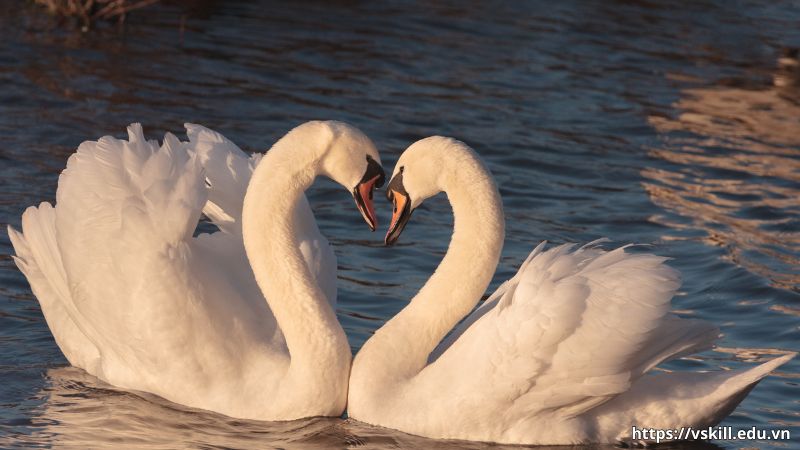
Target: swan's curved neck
x,y
400,349
313,334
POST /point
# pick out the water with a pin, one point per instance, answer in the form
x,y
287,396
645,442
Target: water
x,y
668,125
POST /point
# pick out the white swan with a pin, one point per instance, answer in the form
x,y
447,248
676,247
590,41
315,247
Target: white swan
x,y
134,299
557,355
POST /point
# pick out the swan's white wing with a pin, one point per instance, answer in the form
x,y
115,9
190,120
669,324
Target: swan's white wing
x,y
142,289
125,214
507,288
127,291
228,170
571,330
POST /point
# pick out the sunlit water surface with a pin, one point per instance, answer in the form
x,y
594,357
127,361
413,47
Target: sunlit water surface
x,y
676,126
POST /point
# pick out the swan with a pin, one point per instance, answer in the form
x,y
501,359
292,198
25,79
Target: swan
x,y
233,322
557,355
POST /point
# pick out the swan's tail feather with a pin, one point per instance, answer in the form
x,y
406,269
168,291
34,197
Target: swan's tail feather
x,y
745,380
734,389
39,259
677,337
680,399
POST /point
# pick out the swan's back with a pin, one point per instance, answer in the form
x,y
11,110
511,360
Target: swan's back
x,y
547,357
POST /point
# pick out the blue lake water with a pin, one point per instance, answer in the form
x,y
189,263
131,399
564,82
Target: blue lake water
x,y
675,125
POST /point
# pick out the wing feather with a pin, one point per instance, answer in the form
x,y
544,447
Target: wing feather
x,y
228,170
39,259
526,348
115,262
125,213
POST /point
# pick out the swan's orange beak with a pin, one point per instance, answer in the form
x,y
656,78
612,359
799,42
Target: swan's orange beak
x,y
362,193
396,192
401,212
363,196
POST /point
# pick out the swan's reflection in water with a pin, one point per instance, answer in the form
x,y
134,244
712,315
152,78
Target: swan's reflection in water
x,y
734,172
76,410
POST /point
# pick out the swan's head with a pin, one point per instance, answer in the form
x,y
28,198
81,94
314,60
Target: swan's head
x,y
351,159
421,172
